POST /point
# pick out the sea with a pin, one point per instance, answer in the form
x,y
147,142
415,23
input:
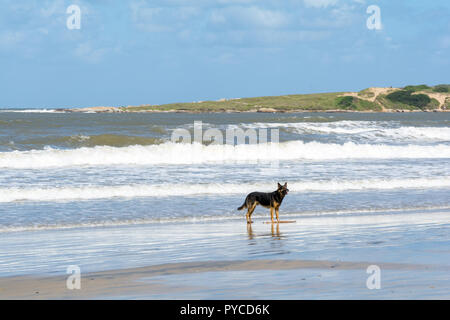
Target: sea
x,y
110,190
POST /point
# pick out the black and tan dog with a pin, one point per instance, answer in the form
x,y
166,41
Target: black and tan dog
x,y
271,200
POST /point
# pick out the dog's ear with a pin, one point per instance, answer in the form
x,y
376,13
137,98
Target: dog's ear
x,y
285,184
279,185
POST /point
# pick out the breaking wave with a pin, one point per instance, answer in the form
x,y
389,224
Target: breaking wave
x,y
178,153
370,130
133,191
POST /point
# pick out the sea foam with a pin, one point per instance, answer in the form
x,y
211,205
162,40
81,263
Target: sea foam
x,y
183,189
370,130
178,153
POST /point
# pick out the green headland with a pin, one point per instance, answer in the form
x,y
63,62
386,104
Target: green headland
x,y
408,98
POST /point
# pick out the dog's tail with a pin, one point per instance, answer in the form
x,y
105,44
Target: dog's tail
x,y
243,206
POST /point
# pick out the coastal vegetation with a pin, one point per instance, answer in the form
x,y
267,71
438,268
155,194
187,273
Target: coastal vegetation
x,y
441,88
409,98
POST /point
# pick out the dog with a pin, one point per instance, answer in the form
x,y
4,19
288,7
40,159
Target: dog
x,y
271,200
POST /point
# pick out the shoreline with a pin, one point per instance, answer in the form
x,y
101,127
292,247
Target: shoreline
x,y
120,110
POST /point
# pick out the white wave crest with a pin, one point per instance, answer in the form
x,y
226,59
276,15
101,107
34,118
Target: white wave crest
x,y
178,153
33,110
133,191
370,130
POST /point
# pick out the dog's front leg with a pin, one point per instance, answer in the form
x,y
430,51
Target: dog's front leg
x,y
271,214
278,218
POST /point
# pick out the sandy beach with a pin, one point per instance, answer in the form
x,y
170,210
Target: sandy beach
x,y
276,267
154,282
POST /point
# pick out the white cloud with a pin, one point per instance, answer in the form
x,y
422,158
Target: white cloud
x,y
319,3
161,19
52,8
265,17
239,16
327,3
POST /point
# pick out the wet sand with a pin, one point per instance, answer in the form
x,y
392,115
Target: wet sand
x,y
137,282
318,257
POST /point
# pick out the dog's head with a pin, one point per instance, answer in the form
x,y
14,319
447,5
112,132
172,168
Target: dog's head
x,y
282,189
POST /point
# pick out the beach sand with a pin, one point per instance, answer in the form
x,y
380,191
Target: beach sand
x,y
146,282
315,258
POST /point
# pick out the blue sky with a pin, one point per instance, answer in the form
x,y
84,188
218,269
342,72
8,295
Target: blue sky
x,y
132,52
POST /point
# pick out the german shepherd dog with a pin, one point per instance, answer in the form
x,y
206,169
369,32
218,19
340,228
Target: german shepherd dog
x,y
271,200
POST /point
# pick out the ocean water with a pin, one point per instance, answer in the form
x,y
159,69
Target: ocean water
x,y
73,171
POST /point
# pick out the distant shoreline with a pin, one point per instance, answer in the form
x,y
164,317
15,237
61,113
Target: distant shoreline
x,y
118,110
420,98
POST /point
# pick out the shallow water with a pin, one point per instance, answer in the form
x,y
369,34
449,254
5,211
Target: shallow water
x,y
415,237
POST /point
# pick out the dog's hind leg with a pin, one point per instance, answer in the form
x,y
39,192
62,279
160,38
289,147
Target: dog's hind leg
x,y
250,211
